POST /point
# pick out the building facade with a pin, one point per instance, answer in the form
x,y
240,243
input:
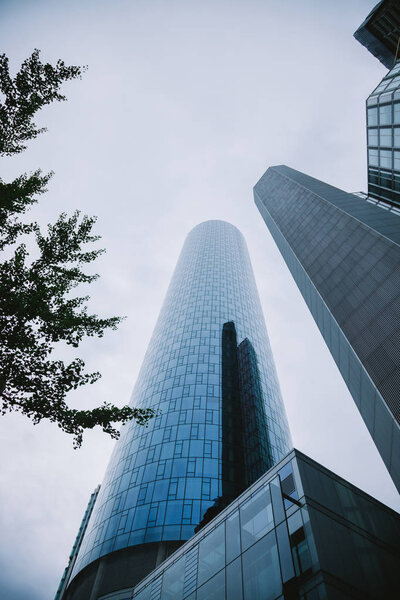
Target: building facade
x,y
383,135
221,423
344,254
299,533
380,31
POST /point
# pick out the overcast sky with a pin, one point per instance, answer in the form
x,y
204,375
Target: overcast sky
x,y
183,107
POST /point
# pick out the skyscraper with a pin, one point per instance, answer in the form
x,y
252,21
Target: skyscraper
x,y
344,254
210,372
343,250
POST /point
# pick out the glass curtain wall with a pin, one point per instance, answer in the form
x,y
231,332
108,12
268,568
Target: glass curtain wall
x,y
211,393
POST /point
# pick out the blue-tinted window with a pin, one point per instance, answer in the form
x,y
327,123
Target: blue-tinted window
x,y
385,159
234,580
261,572
385,136
232,536
213,589
211,553
373,158
385,114
256,517
372,116
172,587
372,137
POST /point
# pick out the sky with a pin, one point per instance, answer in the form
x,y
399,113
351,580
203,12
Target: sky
x,y
183,107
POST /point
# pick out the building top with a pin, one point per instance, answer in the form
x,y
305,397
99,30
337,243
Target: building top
x,y
380,31
385,222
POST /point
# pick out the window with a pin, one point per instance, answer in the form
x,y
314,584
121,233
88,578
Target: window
x,y
385,159
373,158
256,517
396,161
372,116
172,588
396,112
372,137
212,554
385,136
385,114
396,136
261,573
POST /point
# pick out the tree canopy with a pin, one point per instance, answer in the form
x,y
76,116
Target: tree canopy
x,y
38,309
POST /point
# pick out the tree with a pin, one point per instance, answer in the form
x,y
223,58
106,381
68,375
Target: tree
x,y
37,308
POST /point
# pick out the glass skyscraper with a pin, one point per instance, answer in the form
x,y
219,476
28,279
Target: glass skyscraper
x,y
344,254
221,424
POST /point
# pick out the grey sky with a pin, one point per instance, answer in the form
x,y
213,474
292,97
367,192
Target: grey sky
x,y
183,107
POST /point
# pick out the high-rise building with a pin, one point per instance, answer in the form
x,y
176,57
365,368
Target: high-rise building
x,y
343,250
344,254
221,423
379,33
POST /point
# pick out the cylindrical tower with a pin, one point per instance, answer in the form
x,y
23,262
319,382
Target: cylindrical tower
x,y
215,394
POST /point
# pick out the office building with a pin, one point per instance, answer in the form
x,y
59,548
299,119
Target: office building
x,y
344,254
210,372
299,533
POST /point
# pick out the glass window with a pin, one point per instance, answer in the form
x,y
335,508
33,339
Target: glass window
x,y
396,137
372,137
232,537
385,136
385,114
256,517
372,116
213,589
144,594
396,160
212,553
373,158
396,112
385,159
234,580
261,573
172,588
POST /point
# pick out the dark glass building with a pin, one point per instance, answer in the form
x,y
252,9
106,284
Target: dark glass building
x,y
344,254
380,31
383,134
299,533
210,372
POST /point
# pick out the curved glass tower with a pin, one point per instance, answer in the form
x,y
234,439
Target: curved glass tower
x,y
210,372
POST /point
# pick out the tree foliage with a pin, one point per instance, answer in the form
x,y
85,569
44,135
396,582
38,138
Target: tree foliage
x,y
37,307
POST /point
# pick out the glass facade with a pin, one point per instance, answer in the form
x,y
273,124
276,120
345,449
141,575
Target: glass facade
x,y
221,423
300,532
383,137
344,254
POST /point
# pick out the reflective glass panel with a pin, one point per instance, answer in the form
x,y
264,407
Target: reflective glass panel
x,y
396,112
396,132
172,588
234,580
213,589
372,137
211,553
373,158
261,573
385,114
256,517
232,537
385,159
385,136
372,114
